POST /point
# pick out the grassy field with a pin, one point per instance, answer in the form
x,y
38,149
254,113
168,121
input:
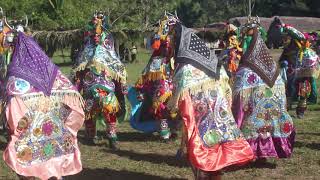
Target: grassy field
x,y
144,157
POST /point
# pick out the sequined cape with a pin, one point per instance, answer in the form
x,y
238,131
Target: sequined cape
x,y
204,104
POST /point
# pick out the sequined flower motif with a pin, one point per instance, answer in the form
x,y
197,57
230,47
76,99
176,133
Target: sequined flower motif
x,y
223,113
265,131
225,137
23,123
246,130
47,128
48,149
287,127
37,132
251,78
68,143
213,93
64,112
211,137
200,109
89,78
25,155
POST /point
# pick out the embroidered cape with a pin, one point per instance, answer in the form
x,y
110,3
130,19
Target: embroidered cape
x,y
30,63
258,59
192,50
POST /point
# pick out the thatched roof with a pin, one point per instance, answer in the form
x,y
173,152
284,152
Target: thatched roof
x,y
51,41
214,27
304,24
59,39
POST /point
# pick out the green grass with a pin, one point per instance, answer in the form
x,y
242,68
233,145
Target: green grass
x,y
143,156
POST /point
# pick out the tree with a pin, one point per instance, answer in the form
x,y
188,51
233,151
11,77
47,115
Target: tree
x,y
314,6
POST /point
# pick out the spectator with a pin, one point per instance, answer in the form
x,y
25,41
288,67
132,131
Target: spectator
x,y
133,53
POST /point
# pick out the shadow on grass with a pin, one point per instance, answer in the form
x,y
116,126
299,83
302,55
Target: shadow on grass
x,y
136,137
3,140
251,165
309,133
150,157
3,145
122,137
109,174
313,145
83,140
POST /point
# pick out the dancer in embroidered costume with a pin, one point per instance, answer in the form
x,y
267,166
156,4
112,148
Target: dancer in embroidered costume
x,y
259,100
210,134
232,53
150,114
302,69
43,111
101,77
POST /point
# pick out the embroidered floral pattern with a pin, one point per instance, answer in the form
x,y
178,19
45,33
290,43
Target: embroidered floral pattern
x,y
47,128
251,79
264,107
45,136
215,120
23,123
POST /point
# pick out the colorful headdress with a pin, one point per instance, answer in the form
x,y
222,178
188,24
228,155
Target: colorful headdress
x,y
252,22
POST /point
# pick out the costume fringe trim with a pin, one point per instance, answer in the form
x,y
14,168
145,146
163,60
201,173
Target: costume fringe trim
x,y
102,67
154,76
205,87
70,98
245,94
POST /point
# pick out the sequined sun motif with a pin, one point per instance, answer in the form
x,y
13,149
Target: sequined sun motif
x,y
252,78
47,128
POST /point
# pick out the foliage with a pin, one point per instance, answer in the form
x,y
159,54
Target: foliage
x,y
73,14
314,6
142,14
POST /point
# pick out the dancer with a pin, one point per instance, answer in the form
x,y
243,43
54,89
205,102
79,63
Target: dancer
x,y
233,51
210,137
302,69
43,110
154,89
101,77
259,100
